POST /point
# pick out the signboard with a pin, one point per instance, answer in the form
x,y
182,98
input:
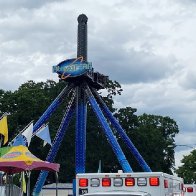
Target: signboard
x,y
72,68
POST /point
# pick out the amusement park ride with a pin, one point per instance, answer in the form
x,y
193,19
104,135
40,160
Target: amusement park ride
x,y
84,83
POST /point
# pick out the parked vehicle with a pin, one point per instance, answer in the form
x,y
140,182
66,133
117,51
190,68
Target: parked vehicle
x,y
128,184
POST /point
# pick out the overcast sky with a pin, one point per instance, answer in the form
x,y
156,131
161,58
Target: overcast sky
x,y
148,46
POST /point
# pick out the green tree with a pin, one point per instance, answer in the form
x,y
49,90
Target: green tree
x,y
188,170
27,103
151,135
157,134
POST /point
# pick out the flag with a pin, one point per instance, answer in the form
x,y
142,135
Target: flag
x,y
44,143
20,140
28,133
4,129
44,134
24,186
24,138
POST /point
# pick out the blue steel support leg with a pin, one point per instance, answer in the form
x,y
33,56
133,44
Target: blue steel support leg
x,y
55,146
122,133
80,143
54,105
109,134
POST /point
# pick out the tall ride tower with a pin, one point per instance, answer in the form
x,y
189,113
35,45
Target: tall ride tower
x,y
84,83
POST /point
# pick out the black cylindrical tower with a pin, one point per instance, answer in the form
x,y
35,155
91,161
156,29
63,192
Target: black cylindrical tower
x,y
82,37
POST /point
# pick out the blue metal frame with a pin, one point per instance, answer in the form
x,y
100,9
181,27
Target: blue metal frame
x,y
55,145
53,106
80,141
83,91
108,132
122,133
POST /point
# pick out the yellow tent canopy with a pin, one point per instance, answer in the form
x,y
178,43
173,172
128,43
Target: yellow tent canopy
x,y
19,158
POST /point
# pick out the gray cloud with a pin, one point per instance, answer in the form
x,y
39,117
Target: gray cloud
x,y
46,34
186,139
127,53
189,80
13,5
187,2
37,31
133,66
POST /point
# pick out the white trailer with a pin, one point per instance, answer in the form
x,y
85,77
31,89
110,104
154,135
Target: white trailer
x,y
189,189
128,184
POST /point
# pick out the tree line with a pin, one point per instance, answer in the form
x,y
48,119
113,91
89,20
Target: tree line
x,y
153,135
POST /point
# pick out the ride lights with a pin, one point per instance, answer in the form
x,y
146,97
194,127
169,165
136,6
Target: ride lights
x,y
118,182
106,182
129,182
154,181
95,182
83,182
141,181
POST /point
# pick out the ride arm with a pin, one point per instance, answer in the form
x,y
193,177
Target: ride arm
x,y
55,145
122,133
53,106
108,132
